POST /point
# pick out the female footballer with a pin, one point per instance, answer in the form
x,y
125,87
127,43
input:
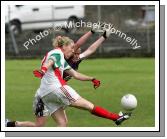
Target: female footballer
x,y
54,95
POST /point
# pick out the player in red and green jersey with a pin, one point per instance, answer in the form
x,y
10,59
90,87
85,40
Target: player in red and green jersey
x,y
54,95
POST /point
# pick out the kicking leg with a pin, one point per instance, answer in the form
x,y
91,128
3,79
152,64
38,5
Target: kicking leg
x,y
97,110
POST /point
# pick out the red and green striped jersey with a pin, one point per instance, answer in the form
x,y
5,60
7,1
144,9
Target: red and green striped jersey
x,y
53,78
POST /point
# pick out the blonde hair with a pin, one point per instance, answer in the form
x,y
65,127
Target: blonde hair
x,y
60,41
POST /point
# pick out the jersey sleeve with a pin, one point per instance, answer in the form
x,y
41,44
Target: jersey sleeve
x,y
56,59
66,66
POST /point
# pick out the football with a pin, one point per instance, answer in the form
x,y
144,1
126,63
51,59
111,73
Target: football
x,y
129,102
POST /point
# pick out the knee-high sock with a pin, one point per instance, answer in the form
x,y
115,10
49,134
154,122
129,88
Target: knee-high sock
x,y
101,112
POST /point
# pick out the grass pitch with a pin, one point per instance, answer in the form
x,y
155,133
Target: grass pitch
x,y
118,77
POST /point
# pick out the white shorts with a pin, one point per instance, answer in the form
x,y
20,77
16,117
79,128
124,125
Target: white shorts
x,y
39,107
59,98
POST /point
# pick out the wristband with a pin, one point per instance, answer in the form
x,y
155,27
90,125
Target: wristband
x,y
44,69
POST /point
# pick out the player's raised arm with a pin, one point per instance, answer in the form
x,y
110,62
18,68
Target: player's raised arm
x,y
82,40
83,77
95,45
87,35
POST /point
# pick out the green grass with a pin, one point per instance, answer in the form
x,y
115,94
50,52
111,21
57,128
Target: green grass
x,y
118,77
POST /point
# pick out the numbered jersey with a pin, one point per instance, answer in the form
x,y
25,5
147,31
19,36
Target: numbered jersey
x,y
53,78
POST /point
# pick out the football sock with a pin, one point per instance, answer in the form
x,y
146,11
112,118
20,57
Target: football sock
x,y
101,112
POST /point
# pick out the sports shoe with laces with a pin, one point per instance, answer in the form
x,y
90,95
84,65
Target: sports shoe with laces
x,y
123,117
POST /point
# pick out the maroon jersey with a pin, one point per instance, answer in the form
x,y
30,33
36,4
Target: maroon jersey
x,y
74,65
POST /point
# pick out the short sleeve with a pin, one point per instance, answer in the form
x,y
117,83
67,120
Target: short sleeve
x,y
56,59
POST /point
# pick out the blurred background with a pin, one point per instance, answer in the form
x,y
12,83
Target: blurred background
x,y
24,22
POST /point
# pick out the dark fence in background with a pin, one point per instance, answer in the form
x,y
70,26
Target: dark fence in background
x,y
112,47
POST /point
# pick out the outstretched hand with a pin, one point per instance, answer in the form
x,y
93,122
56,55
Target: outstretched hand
x,y
98,28
96,83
